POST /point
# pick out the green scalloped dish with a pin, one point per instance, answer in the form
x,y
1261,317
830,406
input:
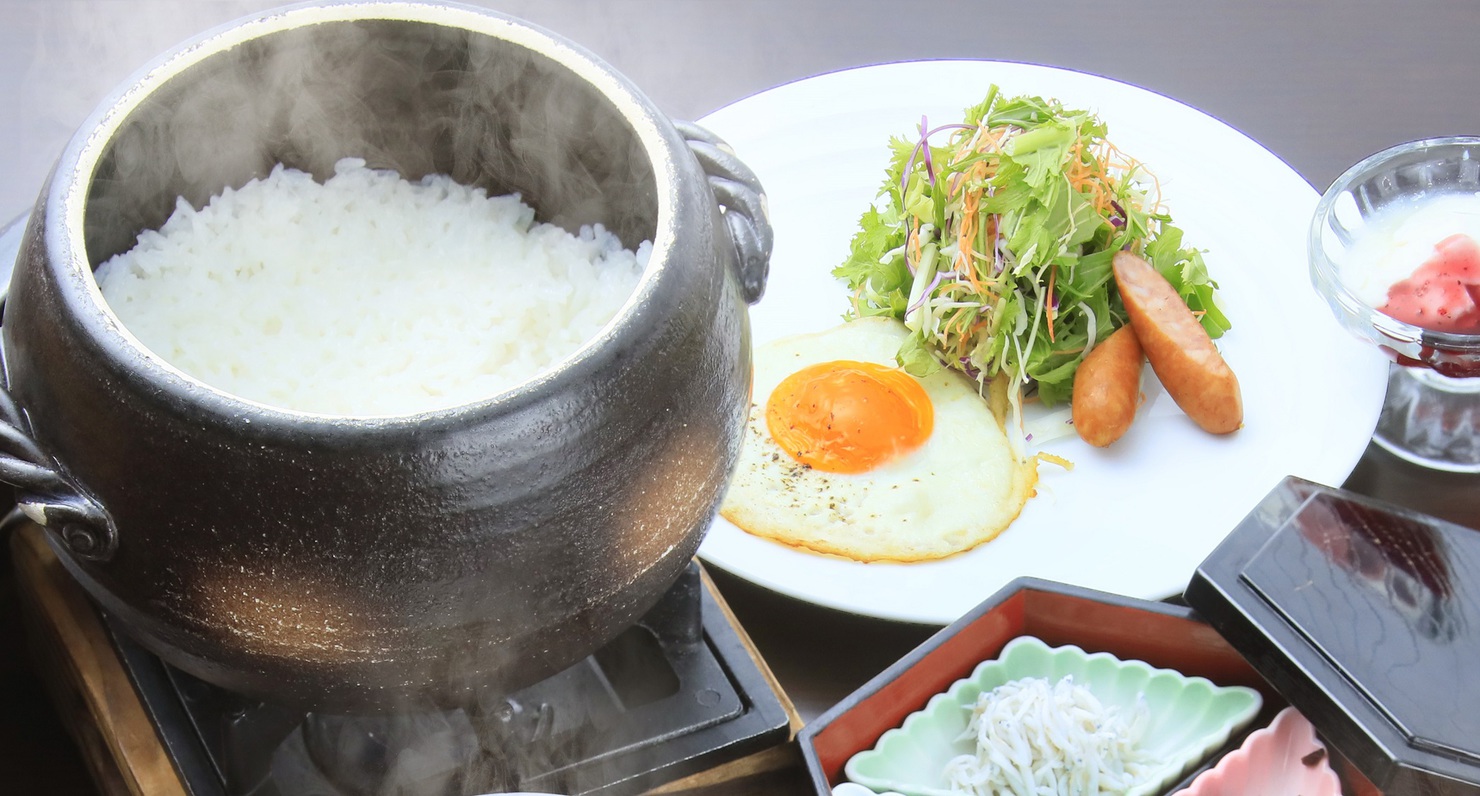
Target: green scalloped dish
x,y
1190,717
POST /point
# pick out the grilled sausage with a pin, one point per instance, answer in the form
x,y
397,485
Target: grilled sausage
x,y
1107,388
1178,348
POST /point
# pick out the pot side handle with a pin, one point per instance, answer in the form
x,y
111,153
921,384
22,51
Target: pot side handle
x,y
743,202
44,493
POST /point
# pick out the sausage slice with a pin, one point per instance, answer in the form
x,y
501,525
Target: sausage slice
x,y
1178,348
1107,388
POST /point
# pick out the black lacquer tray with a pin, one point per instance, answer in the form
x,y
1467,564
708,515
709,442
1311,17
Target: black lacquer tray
x,y
1366,617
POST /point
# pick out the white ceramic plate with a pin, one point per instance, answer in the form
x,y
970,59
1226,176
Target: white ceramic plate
x,y
1135,519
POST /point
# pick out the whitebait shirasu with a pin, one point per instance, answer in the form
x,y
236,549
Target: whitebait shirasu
x,y
1037,739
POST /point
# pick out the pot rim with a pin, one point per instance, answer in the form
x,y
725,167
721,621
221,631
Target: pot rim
x,y
69,185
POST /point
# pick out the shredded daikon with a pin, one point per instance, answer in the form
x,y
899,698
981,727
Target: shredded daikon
x,y
1037,739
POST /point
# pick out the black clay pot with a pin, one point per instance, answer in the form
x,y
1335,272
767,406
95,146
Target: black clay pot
x,y
353,564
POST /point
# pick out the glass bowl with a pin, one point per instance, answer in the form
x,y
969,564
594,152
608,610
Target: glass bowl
x,y
1431,415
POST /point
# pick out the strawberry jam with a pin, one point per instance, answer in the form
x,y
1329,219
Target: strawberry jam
x,y
1418,260
1443,292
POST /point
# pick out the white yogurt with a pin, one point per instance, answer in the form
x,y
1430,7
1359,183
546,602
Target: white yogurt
x,y
1400,237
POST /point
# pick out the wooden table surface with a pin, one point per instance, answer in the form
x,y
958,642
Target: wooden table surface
x,y
1320,84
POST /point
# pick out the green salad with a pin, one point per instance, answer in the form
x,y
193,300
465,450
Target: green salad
x,y
992,241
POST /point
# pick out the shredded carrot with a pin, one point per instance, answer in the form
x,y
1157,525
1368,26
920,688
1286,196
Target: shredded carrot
x,y
966,237
964,317
1053,459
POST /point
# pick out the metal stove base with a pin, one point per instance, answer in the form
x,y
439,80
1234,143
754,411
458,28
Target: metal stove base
x,y
677,694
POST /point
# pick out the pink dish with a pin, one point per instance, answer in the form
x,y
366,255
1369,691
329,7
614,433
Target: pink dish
x,y
1283,759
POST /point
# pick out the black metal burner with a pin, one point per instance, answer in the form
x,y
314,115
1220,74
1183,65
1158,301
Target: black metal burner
x,y
676,694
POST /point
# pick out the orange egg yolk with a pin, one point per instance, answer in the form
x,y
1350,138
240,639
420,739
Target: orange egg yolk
x,y
849,417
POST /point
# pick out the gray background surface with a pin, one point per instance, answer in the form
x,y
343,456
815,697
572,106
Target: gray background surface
x,y
1321,84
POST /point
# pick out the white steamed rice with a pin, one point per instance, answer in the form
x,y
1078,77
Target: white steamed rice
x,y
366,295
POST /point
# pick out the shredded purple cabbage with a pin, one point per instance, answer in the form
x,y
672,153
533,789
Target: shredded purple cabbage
x,y
924,144
934,283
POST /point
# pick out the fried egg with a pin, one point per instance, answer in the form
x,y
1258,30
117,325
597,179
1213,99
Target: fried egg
x,y
847,454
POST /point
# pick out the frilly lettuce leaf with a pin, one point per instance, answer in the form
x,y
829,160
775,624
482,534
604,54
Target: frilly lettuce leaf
x,y
1016,220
